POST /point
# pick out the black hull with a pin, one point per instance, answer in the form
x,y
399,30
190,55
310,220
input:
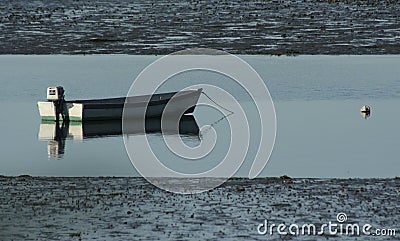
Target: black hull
x,y
150,106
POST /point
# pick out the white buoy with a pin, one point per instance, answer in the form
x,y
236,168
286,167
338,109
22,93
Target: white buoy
x,y
365,111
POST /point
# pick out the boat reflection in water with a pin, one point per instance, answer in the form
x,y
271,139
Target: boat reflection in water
x,y
56,134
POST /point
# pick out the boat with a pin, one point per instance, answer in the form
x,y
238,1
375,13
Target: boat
x,y
136,107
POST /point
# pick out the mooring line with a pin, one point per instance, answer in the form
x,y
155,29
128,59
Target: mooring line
x,y
217,121
231,112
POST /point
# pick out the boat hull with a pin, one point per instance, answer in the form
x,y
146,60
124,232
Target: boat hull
x,y
47,111
137,107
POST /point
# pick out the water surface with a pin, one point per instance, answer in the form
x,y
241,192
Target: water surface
x,y
317,99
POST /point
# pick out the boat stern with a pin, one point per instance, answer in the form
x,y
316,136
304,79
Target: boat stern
x,y
47,111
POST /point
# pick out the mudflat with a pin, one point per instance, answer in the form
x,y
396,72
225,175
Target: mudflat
x,y
107,208
162,27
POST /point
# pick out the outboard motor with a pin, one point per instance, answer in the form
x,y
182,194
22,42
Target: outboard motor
x,y
56,95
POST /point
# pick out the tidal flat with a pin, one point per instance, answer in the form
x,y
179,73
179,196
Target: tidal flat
x,y
118,208
162,27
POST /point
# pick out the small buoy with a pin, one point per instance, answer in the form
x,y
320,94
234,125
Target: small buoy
x,y
365,111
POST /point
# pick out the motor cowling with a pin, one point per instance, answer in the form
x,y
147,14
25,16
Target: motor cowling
x,y
55,93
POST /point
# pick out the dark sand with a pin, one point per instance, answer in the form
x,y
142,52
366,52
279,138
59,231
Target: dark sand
x,y
131,209
164,26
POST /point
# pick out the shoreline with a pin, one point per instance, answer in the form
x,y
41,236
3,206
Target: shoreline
x,y
26,176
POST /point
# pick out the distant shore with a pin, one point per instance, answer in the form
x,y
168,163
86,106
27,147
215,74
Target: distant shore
x,y
162,27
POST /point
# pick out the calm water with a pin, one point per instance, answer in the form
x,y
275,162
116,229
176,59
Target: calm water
x,y
317,99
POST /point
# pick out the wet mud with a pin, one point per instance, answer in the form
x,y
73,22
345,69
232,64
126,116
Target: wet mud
x,y
130,208
162,27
